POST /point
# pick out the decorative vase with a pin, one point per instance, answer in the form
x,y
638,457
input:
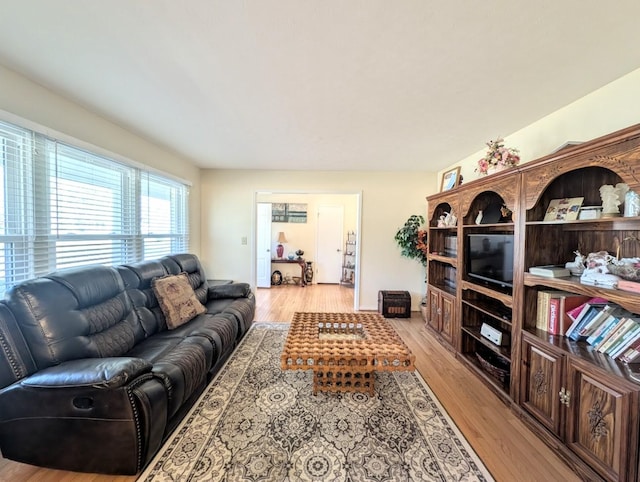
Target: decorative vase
x,y
495,168
479,217
279,250
308,273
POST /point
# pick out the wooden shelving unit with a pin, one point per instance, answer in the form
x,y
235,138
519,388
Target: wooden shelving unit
x,y
349,260
558,387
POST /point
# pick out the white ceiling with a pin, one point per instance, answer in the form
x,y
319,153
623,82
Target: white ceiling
x,y
322,85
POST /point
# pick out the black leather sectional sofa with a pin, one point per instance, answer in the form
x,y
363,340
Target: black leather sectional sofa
x,y
91,379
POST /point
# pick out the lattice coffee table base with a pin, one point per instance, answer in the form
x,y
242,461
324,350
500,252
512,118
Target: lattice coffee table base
x,y
343,381
344,350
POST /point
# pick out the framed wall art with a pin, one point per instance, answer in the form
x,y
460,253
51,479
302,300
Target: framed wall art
x,y
450,179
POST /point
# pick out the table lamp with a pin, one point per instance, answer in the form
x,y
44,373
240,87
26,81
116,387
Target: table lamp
x,y
280,247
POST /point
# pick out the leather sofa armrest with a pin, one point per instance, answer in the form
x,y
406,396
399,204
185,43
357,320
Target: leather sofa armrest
x,y
233,290
107,373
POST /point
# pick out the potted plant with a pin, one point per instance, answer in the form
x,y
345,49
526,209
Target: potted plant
x,y
412,241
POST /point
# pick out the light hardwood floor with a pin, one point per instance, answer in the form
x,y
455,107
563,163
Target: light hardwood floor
x,y
508,449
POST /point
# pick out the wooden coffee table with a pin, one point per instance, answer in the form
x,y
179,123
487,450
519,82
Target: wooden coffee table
x,y
344,350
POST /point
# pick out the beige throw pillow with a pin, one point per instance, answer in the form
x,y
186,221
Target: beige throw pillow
x,y
177,299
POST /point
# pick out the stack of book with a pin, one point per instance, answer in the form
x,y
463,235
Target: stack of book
x,y
553,308
608,328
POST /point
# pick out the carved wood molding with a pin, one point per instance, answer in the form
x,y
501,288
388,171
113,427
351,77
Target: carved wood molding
x,y
597,424
540,382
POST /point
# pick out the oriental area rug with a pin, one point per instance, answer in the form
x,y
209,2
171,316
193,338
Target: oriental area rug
x,y
256,422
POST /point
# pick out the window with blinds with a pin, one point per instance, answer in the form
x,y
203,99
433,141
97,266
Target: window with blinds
x,y
61,206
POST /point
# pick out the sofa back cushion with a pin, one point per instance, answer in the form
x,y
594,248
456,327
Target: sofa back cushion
x,y
137,279
190,264
75,313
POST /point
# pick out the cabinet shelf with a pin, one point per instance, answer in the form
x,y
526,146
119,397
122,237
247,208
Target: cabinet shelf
x,y
474,332
500,388
484,227
443,259
450,290
601,224
489,311
504,298
626,299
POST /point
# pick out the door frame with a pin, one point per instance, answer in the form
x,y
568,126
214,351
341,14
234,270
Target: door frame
x,y
357,194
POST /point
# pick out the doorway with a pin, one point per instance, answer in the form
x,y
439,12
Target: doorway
x,y
303,235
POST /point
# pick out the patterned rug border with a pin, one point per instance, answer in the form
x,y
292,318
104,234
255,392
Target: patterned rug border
x,y
284,326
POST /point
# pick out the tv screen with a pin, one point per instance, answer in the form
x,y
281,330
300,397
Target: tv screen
x,y
490,258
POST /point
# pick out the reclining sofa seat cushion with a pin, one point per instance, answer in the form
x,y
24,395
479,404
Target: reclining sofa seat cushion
x,y
234,300
177,299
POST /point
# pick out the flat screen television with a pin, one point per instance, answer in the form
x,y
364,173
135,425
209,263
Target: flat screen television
x,y
490,258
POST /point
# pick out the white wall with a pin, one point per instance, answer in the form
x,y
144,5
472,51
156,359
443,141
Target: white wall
x,y
610,108
26,100
388,199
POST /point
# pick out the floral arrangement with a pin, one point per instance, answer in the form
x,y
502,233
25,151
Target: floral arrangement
x,y
498,156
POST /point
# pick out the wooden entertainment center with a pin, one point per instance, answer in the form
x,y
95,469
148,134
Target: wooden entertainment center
x,y
582,403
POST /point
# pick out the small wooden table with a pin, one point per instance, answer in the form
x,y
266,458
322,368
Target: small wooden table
x,y
299,261
344,350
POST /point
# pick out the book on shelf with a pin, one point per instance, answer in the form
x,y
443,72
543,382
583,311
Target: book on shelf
x,y
626,285
624,346
587,321
631,353
624,341
541,315
616,335
550,270
596,321
578,313
603,330
612,334
559,304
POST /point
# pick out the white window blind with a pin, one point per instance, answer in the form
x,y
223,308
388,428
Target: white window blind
x,y
62,206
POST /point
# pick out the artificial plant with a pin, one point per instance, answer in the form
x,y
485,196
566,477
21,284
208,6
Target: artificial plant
x,y
412,240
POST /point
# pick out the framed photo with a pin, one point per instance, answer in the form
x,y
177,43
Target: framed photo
x,y
450,179
566,209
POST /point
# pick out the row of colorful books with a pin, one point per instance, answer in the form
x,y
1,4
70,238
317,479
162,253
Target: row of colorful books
x,y
607,327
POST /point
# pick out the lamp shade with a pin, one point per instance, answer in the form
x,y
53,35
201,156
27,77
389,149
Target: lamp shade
x,y
281,237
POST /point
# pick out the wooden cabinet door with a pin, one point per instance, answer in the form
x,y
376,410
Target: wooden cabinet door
x,y
448,316
434,310
540,384
602,425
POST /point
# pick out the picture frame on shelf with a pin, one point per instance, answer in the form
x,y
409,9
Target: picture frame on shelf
x,y
450,179
565,209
